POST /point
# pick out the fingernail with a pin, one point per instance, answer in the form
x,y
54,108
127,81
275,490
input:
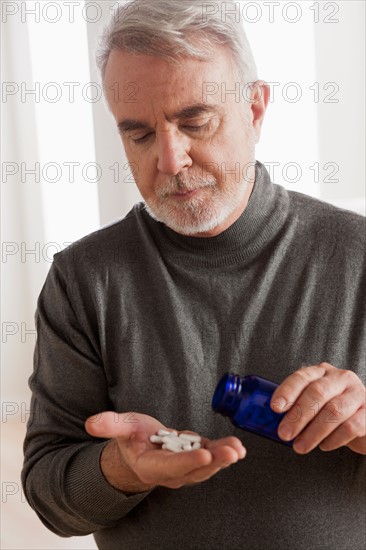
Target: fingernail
x,y
94,418
279,404
285,432
300,446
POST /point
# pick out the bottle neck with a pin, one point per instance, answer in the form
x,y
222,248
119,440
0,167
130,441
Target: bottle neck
x,y
227,396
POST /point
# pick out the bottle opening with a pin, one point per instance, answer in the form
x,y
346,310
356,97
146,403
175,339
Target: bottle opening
x,y
227,394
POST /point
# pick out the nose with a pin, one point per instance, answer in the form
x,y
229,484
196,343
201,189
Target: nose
x,y
172,152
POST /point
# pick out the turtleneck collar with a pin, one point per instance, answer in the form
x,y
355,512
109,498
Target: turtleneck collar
x,y
262,218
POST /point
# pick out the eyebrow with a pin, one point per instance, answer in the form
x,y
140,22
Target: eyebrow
x,y
192,111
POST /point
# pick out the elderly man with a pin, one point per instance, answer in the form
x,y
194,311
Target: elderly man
x,y
217,270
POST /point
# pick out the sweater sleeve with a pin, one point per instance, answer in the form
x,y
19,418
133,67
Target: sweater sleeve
x,y
61,476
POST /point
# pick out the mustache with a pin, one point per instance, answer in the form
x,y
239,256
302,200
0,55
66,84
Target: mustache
x,y
183,183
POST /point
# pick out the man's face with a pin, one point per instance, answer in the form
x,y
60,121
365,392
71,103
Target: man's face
x,y
192,149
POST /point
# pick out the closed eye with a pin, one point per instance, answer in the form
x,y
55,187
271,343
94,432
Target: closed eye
x,y
142,139
196,128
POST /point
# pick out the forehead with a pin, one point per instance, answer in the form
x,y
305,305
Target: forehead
x,y
137,83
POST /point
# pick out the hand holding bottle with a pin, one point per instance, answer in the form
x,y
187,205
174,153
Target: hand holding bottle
x,y
324,406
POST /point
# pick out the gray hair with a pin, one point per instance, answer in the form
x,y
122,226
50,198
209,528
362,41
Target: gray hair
x,y
171,29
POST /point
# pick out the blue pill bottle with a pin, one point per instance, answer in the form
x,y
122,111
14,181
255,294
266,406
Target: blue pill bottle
x,y
245,400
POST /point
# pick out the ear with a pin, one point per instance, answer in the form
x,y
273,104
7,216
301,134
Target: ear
x,y
258,95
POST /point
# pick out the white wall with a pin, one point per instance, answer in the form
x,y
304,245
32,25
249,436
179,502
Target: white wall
x,y
22,223
117,191
341,59
38,217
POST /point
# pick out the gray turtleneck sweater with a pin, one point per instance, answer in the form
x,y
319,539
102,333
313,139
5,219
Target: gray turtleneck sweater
x,y
136,317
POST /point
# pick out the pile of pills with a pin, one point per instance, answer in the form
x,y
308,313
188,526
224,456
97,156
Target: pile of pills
x,y
171,441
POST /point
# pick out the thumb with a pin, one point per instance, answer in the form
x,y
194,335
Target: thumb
x,y
110,424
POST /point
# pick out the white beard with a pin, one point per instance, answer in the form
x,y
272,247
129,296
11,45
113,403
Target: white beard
x,y
198,214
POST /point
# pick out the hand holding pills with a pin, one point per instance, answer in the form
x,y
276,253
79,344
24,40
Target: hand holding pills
x,y
133,463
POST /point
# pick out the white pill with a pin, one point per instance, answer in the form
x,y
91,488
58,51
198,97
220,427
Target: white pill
x,y
187,447
172,441
196,445
175,439
189,437
165,432
156,439
171,447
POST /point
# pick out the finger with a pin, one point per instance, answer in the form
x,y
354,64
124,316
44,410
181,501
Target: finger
x,y
328,391
160,466
333,398
292,387
110,424
353,428
331,417
164,466
221,460
358,445
222,457
230,441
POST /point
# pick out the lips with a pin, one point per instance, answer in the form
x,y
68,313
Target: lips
x,y
184,194
180,192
